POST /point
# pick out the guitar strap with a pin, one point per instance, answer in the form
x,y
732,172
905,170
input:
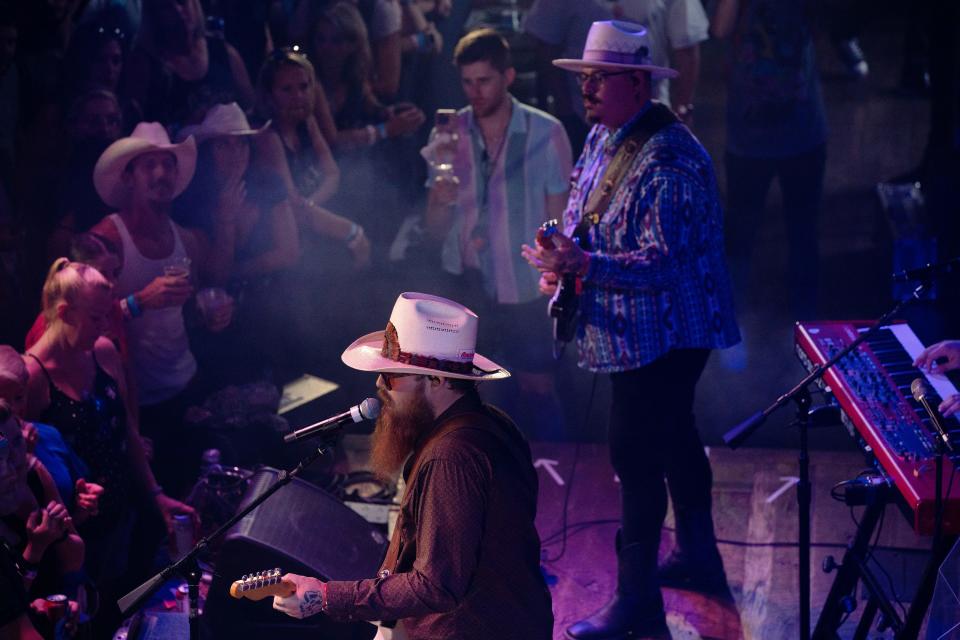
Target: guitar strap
x,y
656,118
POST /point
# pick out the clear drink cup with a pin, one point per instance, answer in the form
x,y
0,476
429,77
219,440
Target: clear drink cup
x,y
178,268
211,301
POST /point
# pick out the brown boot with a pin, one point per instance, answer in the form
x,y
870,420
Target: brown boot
x,y
636,609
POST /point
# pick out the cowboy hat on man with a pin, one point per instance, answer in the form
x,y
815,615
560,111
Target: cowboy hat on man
x,y
463,562
146,138
616,45
426,335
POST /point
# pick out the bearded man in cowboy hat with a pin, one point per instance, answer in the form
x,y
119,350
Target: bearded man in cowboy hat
x,y
464,561
645,212
141,175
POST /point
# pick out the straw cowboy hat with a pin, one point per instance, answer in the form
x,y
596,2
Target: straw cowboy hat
x,y
221,120
426,335
615,44
146,137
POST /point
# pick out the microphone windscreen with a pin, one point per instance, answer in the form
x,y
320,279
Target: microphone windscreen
x,y
918,388
370,408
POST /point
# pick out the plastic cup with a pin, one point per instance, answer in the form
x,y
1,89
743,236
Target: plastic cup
x,y
179,268
211,300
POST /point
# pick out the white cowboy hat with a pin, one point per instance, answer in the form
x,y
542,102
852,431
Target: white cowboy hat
x,y
426,335
614,44
146,137
221,120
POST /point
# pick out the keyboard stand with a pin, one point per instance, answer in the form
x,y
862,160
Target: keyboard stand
x,y
854,568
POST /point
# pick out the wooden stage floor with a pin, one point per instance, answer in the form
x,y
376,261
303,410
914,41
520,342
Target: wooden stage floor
x,y
755,511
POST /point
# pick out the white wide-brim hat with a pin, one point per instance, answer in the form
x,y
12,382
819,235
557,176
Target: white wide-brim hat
x,y
614,44
221,120
146,137
426,335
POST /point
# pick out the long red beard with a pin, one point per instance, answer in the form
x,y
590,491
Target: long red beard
x,y
396,433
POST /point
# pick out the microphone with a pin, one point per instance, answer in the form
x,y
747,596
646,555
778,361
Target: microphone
x,y
921,393
927,272
366,410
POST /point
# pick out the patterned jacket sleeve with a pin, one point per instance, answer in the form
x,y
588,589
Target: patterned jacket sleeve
x,y
662,220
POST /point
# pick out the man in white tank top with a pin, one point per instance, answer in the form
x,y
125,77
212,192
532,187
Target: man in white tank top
x,y
141,175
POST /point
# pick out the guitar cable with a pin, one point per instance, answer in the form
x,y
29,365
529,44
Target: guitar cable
x,y
566,493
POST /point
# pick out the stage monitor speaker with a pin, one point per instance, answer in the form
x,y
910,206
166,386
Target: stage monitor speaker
x,y
300,529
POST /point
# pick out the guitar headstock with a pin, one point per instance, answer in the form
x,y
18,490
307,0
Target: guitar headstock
x,y
257,586
546,232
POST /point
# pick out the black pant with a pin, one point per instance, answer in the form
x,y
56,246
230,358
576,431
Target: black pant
x,y
653,438
801,187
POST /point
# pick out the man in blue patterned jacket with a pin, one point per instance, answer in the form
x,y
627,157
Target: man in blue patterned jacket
x,y
656,300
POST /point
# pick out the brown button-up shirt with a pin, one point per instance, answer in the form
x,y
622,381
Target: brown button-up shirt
x,y
469,564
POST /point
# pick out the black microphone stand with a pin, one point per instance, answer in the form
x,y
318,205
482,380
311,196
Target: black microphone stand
x,y
187,565
801,395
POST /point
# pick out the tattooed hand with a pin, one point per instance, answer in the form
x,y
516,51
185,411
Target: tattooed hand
x,y
308,599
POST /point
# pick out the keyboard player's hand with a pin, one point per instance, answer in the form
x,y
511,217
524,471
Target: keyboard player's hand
x,y
940,358
950,406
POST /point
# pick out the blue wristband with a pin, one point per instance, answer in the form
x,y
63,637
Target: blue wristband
x,y
132,305
382,130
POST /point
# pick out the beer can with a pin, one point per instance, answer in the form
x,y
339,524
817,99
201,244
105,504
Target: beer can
x,y
183,598
57,607
182,534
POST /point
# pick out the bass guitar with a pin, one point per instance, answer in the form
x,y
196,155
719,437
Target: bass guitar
x,y
564,306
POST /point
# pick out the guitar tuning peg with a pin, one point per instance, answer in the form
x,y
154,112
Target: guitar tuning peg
x,y
243,577
277,571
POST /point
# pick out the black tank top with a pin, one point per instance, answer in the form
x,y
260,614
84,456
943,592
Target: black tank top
x,y
96,429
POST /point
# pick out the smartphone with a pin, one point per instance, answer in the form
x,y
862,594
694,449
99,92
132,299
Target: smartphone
x,y
444,118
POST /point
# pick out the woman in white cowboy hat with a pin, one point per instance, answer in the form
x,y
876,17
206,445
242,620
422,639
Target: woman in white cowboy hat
x,y
243,206
238,199
464,559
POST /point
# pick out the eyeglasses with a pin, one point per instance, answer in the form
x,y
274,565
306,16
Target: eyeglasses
x,y
388,378
597,78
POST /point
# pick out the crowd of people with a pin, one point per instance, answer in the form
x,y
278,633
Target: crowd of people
x,y
187,179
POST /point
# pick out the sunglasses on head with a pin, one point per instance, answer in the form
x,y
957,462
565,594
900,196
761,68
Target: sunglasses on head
x,y
283,53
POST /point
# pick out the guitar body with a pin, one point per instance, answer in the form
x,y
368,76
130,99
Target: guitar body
x,y
564,306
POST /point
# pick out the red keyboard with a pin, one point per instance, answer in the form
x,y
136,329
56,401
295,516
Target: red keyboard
x,y
872,385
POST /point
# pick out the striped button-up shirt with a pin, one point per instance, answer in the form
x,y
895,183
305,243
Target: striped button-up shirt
x,y
657,278
502,198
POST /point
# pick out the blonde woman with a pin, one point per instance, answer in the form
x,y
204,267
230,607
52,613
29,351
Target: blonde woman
x,y
76,383
288,92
